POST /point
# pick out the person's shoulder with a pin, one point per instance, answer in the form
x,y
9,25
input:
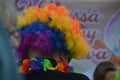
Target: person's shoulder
x,y
78,76
70,76
55,75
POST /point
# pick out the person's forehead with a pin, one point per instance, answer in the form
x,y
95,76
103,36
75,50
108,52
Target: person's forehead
x,y
110,75
111,72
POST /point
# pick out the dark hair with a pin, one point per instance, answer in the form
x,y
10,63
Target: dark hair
x,y
102,69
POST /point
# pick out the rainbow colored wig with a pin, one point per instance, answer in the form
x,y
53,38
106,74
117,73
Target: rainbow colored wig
x,y
51,29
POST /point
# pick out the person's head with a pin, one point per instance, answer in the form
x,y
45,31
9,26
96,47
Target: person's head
x,y
50,32
8,16
105,71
